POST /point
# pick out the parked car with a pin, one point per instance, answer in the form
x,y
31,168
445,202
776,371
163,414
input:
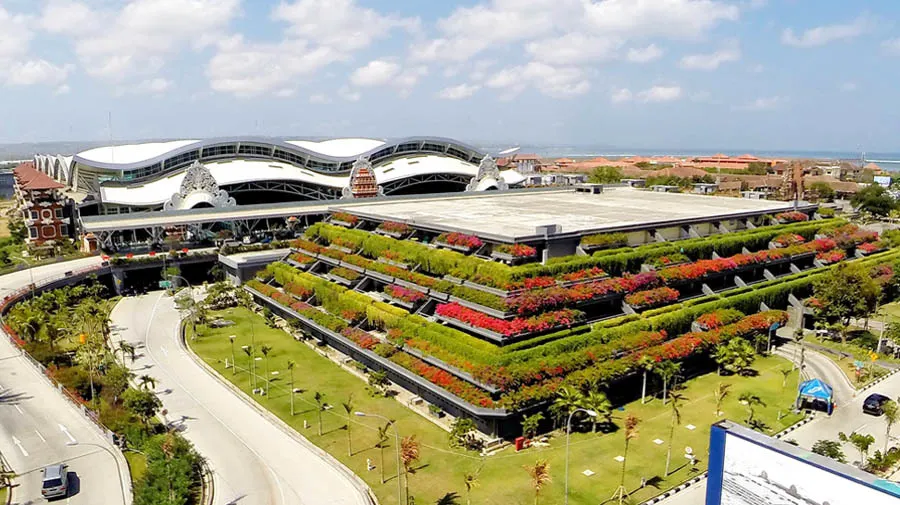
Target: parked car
x,y
55,481
874,404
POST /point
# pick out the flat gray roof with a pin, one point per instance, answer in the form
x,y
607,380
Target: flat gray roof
x,y
514,215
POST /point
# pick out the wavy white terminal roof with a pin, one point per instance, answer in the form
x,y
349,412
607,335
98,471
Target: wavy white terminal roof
x,y
339,147
133,153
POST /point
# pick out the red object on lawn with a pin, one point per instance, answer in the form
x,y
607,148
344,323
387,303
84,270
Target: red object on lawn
x,y
129,255
152,253
185,250
520,443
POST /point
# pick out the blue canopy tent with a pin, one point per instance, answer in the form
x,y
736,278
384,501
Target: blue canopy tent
x,y
816,390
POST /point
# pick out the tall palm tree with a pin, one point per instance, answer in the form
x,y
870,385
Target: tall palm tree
x,y
599,403
471,481
567,400
290,366
891,416
451,498
540,477
785,373
127,349
721,393
667,370
348,408
409,455
675,406
146,382
751,400
382,440
646,364
249,351
265,350
320,406
631,425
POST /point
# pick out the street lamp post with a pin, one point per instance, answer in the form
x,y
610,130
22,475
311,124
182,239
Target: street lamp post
x,y
30,272
397,437
193,303
231,338
590,413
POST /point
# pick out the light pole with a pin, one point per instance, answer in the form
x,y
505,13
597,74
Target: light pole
x,y
771,331
193,303
115,460
397,437
30,272
590,413
231,338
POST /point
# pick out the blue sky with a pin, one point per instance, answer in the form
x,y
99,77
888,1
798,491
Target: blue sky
x,y
743,74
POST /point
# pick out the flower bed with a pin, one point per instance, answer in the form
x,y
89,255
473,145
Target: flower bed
x,y
669,259
394,227
542,322
516,250
849,235
345,273
442,378
718,318
301,259
830,257
345,217
791,217
404,294
459,240
594,273
652,298
788,239
601,240
870,247
298,290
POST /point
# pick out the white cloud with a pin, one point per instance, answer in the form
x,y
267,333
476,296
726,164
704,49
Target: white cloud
x,y
892,45
458,92
620,95
711,61
19,67
62,90
375,73
557,82
154,86
319,98
659,94
31,72
644,54
16,34
686,19
573,48
762,103
349,94
136,39
821,35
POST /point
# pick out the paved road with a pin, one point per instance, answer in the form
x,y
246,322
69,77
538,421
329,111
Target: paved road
x,y
38,426
253,460
847,417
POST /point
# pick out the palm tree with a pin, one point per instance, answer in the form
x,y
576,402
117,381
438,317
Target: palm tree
x,y
145,380
249,351
290,367
127,349
667,370
567,400
631,424
540,477
451,498
382,440
785,373
348,408
751,400
409,455
891,416
265,350
599,403
676,420
471,482
320,405
646,363
721,393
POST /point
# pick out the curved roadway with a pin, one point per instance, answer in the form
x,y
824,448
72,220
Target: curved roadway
x,y
254,460
38,426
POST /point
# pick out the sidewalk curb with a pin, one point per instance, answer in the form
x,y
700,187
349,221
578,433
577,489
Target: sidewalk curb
x,y
358,483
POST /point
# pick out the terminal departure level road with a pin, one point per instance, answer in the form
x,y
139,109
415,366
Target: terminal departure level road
x,y
253,461
39,427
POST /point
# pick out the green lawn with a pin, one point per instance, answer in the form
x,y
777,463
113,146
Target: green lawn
x,y
137,465
3,496
502,478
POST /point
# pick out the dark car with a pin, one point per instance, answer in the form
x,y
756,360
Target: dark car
x,y
874,404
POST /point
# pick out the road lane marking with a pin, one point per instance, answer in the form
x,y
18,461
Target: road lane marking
x,y
19,409
44,440
66,431
18,443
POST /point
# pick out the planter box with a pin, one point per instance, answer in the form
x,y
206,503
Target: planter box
x,y
301,266
380,276
488,334
396,301
440,296
304,251
510,258
410,285
454,280
350,266
457,248
393,263
599,247
345,224
341,248
487,289
481,308
340,280
569,284
392,234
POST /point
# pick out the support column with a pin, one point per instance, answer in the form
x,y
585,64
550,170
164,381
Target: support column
x,y
118,276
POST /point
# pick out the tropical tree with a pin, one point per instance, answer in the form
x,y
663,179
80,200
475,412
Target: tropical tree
x,y
143,403
567,400
861,442
631,431
605,175
382,441
265,350
667,370
250,352
599,403
451,498
462,433
540,477
290,366
320,406
531,424
751,400
128,350
348,408
891,416
736,356
830,449
146,382
846,291
646,364
470,479
875,200
409,455
785,373
675,407
721,393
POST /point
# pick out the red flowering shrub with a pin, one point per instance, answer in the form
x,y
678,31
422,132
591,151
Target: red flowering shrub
x,y
516,326
345,217
347,244
460,240
788,239
814,302
516,250
581,275
849,235
669,259
823,244
535,283
871,247
404,294
652,298
261,287
298,290
718,318
394,227
791,217
301,258
360,338
831,256
466,391
883,273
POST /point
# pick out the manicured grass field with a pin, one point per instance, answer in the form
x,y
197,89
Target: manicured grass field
x,y
137,465
3,494
502,477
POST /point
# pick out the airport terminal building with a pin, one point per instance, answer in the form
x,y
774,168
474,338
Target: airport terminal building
x,y
185,174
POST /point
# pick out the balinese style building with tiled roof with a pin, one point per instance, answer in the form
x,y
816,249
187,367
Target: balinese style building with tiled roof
x,y
43,206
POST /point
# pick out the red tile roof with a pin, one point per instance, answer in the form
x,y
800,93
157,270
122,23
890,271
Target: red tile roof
x,y
28,177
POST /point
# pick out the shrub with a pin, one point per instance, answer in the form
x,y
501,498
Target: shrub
x,y
404,294
718,318
791,217
604,240
459,240
345,273
516,250
513,327
345,217
652,297
394,227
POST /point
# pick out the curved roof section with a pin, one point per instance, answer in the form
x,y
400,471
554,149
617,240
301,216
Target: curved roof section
x,y
131,153
339,147
330,151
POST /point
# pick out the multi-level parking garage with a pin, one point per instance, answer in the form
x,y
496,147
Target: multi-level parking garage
x,y
141,177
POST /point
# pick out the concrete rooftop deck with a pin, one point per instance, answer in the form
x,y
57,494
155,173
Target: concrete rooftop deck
x,y
514,215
